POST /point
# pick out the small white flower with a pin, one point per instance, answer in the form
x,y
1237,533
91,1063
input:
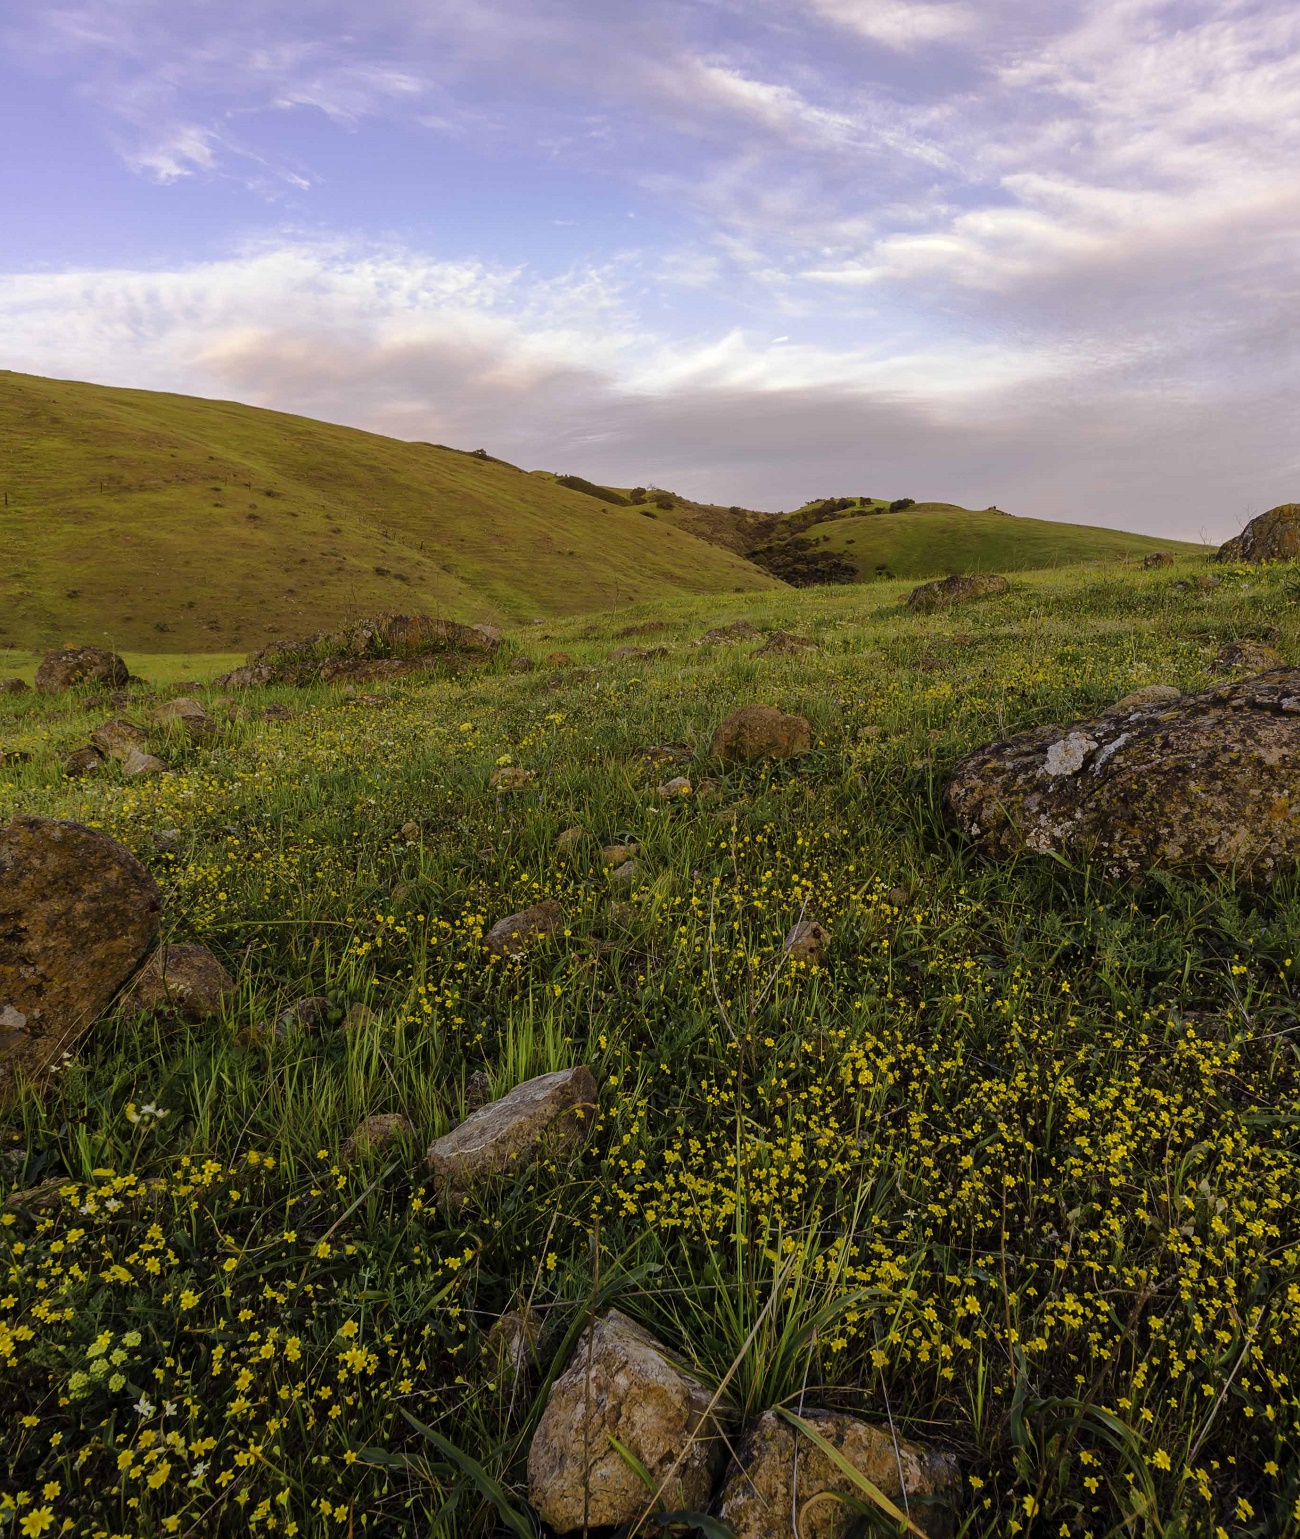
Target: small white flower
x,y
144,1406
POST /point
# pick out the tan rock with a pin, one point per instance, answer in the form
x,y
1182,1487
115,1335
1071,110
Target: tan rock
x,y
624,875
570,842
119,739
948,591
785,644
616,854
1273,536
376,1133
674,789
138,762
69,666
182,980
13,687
510,937
550,1113
807,941
511,1345
1157,558
510,777
708,787
1151,694
184,714
1246,657
772,1488
622,1383
411,832
760,732
359,1017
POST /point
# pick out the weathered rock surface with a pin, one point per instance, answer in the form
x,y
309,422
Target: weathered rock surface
x,y
510,777
138,762
625,875
83,761
13,687
511,1345
760,732
785,644
1273,536
1150,694
623,1383
728,635
376,1133
674,789
77,913
570,842
616,854
119,739
509,937
307,1014
359,1017
185,713
390,646
70,666
771,1489
1248,657
521,663
1208,781
551,1113
947,591
1155,558
182,980
807,941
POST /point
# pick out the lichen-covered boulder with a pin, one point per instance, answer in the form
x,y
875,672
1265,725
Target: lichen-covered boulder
x,y
69,666
785,644
1157,558
13,687
1247,657
185,713
783,1485
760,732
622,1383
183,980
1273,536
1207,781
375,1134
947,591
77,913
119,739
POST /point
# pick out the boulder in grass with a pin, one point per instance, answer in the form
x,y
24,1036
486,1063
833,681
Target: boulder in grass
x,y
757,732
77,913
621,1383
1246,657
67,667
521,663
957,589
1157,558
138,763
308,1014
782,1478
616,854
674,789
510,937
1273,536
807,941
13,687
510,777
186,981
624,876
1149,694
548,1114
185,714
83,761
376,1134
119,739
785,644
569,843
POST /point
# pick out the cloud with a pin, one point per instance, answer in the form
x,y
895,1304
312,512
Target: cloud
x,y
902,24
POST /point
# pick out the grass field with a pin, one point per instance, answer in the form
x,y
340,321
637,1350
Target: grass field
x,y
1017,1166
129,515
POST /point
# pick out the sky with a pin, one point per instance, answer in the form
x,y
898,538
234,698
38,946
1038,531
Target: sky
x,y
1043,256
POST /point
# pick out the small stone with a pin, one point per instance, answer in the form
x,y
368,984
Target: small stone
x,y
623,915
521,663
182,980
83,761
138,763
616,854
1247,657
119,739
956,589
673,789
785,644
163,840
411,832
707,788
510,777
760,732
639,654
375,1134
570,842
359,1017
511,1345
899,897
624,875
1152,694
807,941
622,1381
559,659
13,687
1157,558
276,711
67,667
308,1015
478,1091
550,1112
728,635
509,937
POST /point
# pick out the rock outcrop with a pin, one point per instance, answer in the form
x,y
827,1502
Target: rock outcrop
x,y
622,1383
77,913
947,591
1273,536
1206,781
186,981
390,646
70,666
760,732
785,644
1247,657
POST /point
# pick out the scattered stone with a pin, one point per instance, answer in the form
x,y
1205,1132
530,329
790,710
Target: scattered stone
x,y
760,732
70,666
276,711
899,897
510,777
83,761
550,1112
13,687
164,840
629,654
77,912
186,713
388,647
1248,657
182,980
622,1383
1273,536
780,1469
673,789
785,644
616,854
559,659
509,937
521,663
1157,558
478,1091
807,941
1151,694
1209,781
624,875
359,1017
138,762
14,756
706,788
728,635
119,740
308,1015
374,1134
667,753
511,1345
956,589
623,915
1205,582
649,628
411,832
570,842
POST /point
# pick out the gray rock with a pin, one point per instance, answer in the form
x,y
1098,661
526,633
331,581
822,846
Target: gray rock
x,y
511,1345
624,875
185,714
785,644
308,1014
13,687
510,937
674,789
119,739
1246,657
138,763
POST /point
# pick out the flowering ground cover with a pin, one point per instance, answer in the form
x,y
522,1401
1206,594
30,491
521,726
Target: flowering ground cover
x,y
1013,1165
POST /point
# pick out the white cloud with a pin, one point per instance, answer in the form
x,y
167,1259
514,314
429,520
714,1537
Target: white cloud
x,y
901,24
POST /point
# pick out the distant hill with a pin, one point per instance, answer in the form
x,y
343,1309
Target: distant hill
x,y
170,523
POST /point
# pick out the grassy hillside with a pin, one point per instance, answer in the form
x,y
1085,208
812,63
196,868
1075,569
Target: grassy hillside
x,y
1013,1168
161,521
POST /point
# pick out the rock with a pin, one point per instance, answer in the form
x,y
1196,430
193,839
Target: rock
x,y
649,628
521,663
559,659
760,732
770,1480
276,711
77,913
137,763
955,590
624,875
726,635
1246,656
1208,781
185,713
899,896
625,654
673,789
622,1383
511,1345
616,854
13,687
1152,694
510,777
570,842
83,761
308,1014
510,937
623,915
15,756
1273,536
551,1113
807,941
1205,582
376,1133
164,840
181,980
478,1091
119,739
411,832
785,644
706,788
1157,558
359,1017
667,753
64,669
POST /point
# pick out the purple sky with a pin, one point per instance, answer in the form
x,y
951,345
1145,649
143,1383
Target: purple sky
x,y
757,250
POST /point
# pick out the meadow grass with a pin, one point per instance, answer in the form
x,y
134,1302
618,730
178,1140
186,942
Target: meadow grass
x,y
1015,1166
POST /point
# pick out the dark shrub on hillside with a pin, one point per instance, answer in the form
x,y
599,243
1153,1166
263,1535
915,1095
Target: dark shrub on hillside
x,y
637,494
601,493
902,504
794,561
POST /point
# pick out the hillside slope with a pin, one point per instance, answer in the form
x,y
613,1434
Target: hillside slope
x,y
169,522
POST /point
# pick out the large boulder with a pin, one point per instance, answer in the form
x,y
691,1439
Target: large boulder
x,y
1207,781
119,739
1273,536
70,666
947,591
386,647
186,981
781,1482
1247,657
622,1383
551,1112
760,732
77,913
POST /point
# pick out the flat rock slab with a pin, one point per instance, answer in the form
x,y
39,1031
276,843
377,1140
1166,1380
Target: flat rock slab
x,y
510,937
771,1483
550,1112
77,913
1209,781
621,1382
